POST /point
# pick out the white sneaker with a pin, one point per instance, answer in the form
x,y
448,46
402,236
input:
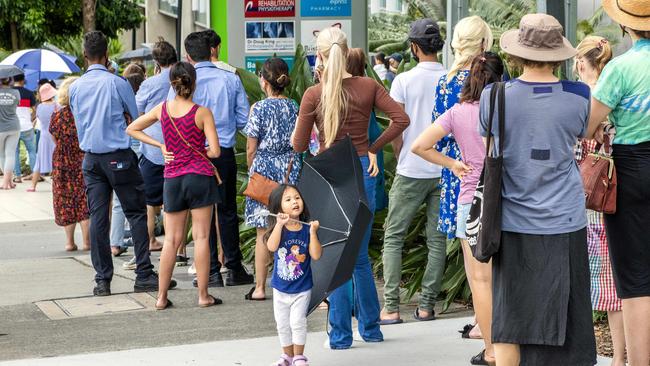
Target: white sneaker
x,y
130,265
356,336
191,270
326,344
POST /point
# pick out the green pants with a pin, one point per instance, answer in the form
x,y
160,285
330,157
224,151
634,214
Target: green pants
x,y
406,197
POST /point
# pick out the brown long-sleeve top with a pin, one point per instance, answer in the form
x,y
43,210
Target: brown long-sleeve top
x,y
363,94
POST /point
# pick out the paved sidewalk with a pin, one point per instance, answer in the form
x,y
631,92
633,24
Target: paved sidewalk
x,y
410,344
18,205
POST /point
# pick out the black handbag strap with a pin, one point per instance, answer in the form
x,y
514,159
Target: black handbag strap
x,y
497,88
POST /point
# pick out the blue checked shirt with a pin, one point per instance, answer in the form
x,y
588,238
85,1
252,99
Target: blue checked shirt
x,y
152,92
223,93
98,100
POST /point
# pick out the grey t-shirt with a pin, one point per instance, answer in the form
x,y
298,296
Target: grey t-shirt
x,y
9,99
542,188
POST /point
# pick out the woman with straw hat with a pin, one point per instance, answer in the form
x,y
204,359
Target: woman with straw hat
x,y
623,94
541,298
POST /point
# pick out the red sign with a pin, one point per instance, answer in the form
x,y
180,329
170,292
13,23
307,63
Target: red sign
x,y
269,8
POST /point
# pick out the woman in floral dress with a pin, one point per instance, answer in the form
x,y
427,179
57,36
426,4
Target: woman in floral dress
x,y
269,153
68,188
471,37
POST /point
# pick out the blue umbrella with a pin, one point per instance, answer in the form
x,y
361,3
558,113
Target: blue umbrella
x,y
41,63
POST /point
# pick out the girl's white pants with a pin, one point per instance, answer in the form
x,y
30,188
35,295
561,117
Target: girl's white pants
x,y
290,312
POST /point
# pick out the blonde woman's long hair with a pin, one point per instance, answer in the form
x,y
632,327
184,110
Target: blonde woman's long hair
x,y
472,35
595,50
332,44
63,94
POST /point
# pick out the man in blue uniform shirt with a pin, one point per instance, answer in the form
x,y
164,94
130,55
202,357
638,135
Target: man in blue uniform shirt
x,y
101,103
223,93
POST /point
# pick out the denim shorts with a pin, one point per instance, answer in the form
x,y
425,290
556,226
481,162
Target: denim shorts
x,y
461,220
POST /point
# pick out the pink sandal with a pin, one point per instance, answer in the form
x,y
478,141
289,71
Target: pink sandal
x,y
285,360
31,189
300,360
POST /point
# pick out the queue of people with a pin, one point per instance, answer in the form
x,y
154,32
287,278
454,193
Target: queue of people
x,y
532,300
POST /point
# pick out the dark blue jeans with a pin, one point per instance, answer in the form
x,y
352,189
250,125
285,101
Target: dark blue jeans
x,y
359,294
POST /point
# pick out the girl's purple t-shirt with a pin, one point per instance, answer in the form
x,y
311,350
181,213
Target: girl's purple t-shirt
x,y
461,121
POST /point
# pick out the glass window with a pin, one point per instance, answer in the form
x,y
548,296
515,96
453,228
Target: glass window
x,y
201,12
169,7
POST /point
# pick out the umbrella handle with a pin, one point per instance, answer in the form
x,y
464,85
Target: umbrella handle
x,y
266,213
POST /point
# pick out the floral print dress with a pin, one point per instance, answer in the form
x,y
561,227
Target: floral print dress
x,y
448,94
272,122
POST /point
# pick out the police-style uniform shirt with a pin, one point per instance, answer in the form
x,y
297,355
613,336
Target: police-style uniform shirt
x,y
223,93
98,100
152,92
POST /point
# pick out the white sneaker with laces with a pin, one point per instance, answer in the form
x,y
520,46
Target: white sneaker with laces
x,y
130,265
192,269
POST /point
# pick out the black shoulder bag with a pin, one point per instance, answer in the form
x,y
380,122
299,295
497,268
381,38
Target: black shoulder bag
x,y
484,221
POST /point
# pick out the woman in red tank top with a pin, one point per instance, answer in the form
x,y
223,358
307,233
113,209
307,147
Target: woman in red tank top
x,y
190,183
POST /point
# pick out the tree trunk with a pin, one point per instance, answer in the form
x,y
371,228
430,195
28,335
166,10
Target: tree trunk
x,y
88,11
14,36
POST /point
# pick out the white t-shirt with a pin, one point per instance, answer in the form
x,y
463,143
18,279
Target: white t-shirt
x,y
416,89
381,71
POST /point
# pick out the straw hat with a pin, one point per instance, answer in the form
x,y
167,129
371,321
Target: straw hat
x,y
539,38
46,92
630,13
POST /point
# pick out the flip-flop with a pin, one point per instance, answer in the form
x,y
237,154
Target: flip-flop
x,y
120,251
391,321
416,316
480,360
168,305
215,301
249,296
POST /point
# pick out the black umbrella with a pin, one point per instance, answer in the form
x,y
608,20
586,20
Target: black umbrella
x,y
332,187
143,53
9,71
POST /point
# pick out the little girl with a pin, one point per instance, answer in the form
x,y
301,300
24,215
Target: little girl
x,y
294,245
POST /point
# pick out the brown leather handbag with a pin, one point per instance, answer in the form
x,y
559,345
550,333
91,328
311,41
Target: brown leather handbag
x,y
260,187
599,179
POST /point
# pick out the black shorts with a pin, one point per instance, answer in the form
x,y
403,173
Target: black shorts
x,y
153,176
190,191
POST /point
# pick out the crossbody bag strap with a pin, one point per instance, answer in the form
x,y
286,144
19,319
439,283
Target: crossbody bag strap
x,y
171,119
286,177
493,95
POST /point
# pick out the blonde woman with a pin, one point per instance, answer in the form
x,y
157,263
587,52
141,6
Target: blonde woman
x,y
472,36
68,187
340,106
593,54
623,94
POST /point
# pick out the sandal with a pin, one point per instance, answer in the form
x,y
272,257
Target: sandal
x,y
431,316
17,180
168,305
31,189
480,360
285,360
249,296
215,301
464,333
300,360
71,248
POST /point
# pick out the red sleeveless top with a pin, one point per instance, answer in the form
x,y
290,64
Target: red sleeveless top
x,y
186,160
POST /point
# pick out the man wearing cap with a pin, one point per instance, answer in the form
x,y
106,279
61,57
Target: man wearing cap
x,y
416,181
101,104
541,283
623,95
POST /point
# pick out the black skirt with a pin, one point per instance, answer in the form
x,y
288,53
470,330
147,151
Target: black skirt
x,y
629,246
190,191
541,298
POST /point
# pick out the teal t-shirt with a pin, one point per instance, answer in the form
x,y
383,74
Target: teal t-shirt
x,y
624,86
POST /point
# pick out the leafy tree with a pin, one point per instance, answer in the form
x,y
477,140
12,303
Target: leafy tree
x,y
30,23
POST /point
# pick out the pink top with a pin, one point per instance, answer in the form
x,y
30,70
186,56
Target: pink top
x,y
186,160
461,120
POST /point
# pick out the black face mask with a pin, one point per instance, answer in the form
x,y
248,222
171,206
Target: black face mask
x,y
413,55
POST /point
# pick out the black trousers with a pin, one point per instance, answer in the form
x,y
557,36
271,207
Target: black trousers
x,y
228,218
104,173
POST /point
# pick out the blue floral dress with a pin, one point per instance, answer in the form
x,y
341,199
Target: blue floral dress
x,y
448,94
271,122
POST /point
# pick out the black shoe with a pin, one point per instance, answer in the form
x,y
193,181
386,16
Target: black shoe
x,y
103,288
216,280
238,277
150,283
